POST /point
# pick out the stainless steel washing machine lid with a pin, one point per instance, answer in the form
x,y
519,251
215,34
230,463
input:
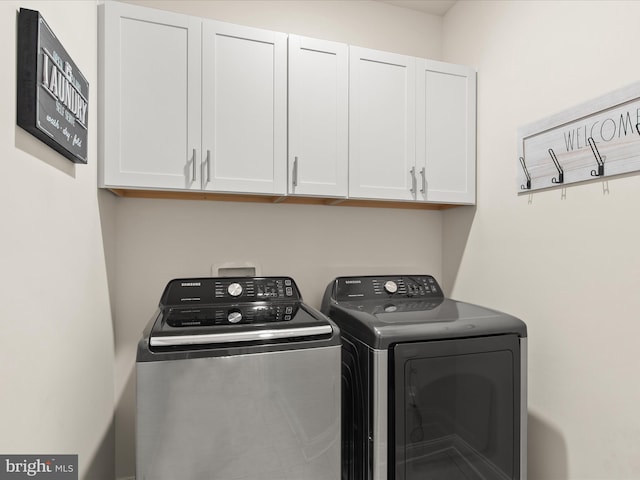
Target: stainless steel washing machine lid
x,y
223,312
383,310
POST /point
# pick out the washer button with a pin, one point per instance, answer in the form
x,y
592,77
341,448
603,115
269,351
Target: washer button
x,y
234,289
390,286
234,316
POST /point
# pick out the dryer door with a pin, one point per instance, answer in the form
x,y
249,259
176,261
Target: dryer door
x,y
456,407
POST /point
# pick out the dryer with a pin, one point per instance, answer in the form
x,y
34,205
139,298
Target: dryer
x,y
433,388
237,379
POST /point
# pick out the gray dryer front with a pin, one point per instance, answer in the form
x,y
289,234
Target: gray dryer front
x,y
433,388
237,379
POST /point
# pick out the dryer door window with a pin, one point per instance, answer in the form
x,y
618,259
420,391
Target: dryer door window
x,y
456,407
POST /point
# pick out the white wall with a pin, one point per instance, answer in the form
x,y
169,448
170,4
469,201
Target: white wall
x,y
158,240
56,337
364,23
567,263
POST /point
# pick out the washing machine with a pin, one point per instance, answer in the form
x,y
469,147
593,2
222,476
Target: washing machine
x,y
237,379
433,388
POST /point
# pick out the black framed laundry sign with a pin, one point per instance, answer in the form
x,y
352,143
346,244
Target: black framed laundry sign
x,y
52,93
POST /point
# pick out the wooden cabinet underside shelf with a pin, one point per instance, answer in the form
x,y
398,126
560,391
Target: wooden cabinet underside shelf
x,y
235,197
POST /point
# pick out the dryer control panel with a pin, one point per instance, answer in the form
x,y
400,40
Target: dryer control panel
x,y
208,291
392,286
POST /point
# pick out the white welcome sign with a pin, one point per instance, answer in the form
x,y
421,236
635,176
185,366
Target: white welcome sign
x,y
597,139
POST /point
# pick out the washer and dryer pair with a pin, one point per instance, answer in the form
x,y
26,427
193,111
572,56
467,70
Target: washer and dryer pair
x,y
239,379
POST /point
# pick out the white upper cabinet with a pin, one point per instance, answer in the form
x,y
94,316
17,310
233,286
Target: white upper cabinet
x,y
446,132
194,104
318,117
150,128
244,109
382,125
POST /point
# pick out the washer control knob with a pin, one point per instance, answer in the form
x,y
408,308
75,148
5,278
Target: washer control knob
x,y
234,316
235,289
390,286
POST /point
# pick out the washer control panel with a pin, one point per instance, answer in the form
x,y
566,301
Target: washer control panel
x,y
392,286
207,291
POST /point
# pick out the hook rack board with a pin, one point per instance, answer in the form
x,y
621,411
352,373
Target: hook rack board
x,y
596,139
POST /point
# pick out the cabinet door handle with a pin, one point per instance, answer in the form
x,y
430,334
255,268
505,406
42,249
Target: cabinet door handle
x,y
207,163
413,180
193,166
294,174
423,174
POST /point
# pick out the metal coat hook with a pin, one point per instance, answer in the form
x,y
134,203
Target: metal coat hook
x,y
596,153
560,178
638,128
526,173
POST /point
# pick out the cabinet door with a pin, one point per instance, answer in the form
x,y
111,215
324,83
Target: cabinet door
x,y
446,132
151,98
381,125
244,117
318,117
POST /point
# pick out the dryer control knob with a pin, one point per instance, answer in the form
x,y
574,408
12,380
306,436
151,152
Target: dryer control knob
x,y
390,286
234,316
235,289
